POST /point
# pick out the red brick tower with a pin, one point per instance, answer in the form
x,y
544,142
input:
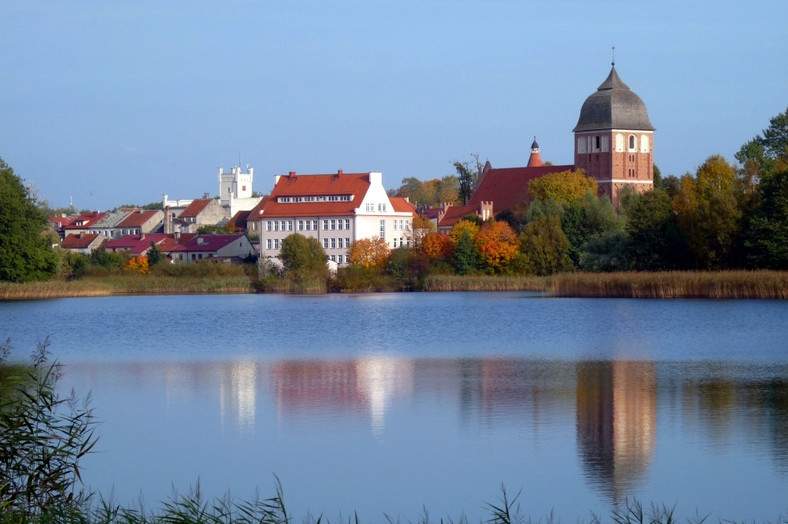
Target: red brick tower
x,y
614,139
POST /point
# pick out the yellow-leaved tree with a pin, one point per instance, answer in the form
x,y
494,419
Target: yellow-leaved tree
x,y
369,252
563,187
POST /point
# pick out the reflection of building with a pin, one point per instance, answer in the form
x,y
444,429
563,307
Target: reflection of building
x,y
341,387
238,392
616,421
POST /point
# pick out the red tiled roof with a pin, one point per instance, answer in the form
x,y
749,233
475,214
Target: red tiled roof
x,y
212,242
135,244
61,221
507,188
354,184
402,205
137,218
78,241
238,222
455,213
87,219
195,208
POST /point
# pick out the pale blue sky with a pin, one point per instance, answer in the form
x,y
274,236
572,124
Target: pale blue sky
x,y
119,102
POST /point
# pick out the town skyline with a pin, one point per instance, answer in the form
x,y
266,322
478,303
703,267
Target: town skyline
x,y
117,105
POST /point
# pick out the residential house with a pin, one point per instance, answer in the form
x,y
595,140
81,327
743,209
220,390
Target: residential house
x,y
217,247
140,222
134,244
82,223
82,242
201,212
336,209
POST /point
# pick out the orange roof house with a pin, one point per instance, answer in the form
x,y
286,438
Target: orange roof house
x,y
337,209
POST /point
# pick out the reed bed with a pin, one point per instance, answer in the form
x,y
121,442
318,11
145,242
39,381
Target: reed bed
x,y
675,284
484,283
125,285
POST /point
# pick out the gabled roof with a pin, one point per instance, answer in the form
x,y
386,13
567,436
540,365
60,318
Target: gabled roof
x,y
238,221
507,187
85,220
138,218
212,242
61,221
135,244
81,241
195,208
337,184
454,213
402,205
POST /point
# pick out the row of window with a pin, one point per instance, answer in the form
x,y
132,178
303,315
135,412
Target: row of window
x,y
336,243
308,225
320,198
371,207
601,143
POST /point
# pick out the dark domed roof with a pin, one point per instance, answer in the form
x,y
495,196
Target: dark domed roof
x,y
613,106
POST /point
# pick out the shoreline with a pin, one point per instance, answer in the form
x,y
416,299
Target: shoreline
x,y
759,284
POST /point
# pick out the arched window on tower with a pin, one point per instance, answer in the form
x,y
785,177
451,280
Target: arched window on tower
x,y
644,144
632,143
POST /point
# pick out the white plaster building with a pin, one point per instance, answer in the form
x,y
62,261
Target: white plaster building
x,y
337,209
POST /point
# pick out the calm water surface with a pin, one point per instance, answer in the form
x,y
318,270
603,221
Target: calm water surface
x,y
398,402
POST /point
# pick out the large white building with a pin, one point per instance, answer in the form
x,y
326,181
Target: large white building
x,y
337,209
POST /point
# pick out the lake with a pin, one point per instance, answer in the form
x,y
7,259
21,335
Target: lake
x,y
406,404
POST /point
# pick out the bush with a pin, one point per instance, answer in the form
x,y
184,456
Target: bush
x,y
43,438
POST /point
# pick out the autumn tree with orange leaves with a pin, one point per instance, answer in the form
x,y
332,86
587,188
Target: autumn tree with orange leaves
x,y
437,245
369,253
497,244
138,264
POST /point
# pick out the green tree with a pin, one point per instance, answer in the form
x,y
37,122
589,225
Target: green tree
x,y
303,257
587,219
468,174
25,253
154,254
765,159
708,213
544,246
654,241
465,258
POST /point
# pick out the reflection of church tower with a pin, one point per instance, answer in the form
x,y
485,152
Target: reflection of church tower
x,y
614,139
616,422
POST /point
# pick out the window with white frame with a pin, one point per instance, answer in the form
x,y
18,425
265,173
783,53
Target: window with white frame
x,y
300,225
325,225
383,229
333,243
268,243
314,225
333,225
347,223
325,243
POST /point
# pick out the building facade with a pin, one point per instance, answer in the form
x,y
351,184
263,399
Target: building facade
x,y
336,209
614,139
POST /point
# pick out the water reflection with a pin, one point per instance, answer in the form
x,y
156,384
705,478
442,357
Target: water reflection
x,y
614,412
616,423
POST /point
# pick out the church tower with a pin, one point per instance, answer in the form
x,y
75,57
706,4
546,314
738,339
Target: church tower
x,y
614,139
535,160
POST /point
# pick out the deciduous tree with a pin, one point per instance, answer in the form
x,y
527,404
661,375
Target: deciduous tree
x,y
544,246
708,214
303,257
369,252
25,253
497,245
563,187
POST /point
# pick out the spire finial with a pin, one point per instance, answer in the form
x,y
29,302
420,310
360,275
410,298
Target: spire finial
x,y
613,63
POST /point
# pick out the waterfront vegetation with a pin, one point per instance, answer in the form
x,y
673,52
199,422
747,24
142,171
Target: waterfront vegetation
x,y
234,279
